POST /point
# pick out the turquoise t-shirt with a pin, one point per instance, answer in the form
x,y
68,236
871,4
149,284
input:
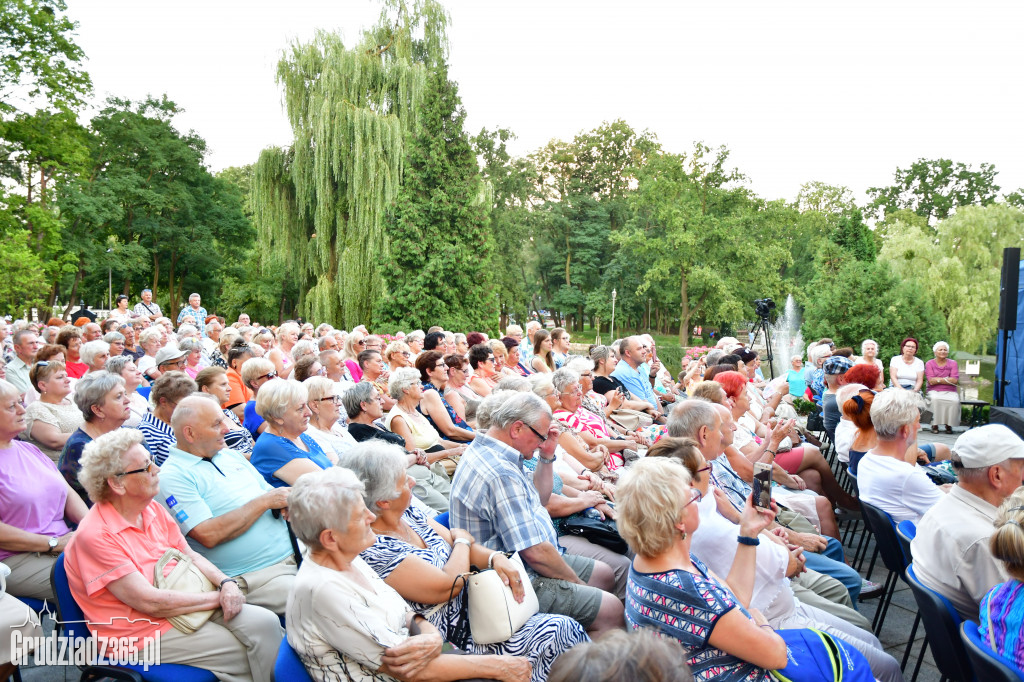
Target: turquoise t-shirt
x,y
797,385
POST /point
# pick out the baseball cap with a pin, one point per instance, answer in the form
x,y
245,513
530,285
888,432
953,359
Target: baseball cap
x,y
987,445
168,354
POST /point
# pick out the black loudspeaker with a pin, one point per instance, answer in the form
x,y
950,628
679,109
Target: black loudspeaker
x,y
1008,289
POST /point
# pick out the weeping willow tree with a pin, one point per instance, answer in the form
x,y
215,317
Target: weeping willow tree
x,y
321,203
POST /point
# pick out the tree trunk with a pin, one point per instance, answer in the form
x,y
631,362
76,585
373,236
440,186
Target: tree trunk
x,y
156,274
74,289
52,298
280,312
172,292
684,312
579,318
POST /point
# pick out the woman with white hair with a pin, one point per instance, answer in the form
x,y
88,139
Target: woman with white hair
x,y
280,355
285,451
343,621
869,355
355,343
95,355
418,557
112,558
193,361
815,374
943,376
325,407
151,340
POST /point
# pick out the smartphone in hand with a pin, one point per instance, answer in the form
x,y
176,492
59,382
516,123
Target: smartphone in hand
x,y
762,485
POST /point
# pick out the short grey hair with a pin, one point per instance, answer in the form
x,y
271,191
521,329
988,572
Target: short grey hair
x,y
482,409
713,356
564,378
103,458
892,409
417,335
187,331
211,325
276,396
938,345
521,407
381,468
154,333
113,337
402,379
92,388
89,351
116,364
818,352
304,347
865,342
322,499
513,329
460,337
688,416
540,384
354,398
513,383
9,390
190,344
580,364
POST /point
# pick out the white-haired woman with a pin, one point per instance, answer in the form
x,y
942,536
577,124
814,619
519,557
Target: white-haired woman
x,y
280,355
397,354
151,340
869,355
325,407
589,427
95,355
35,505
420,558
284,451
595,458
943,376
51,419
103,402
110,565
343,620
405,419
194,359
815,374
124,366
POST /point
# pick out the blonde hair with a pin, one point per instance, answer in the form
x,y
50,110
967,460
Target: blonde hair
x,y
277,396
254,368
1007,542
649,500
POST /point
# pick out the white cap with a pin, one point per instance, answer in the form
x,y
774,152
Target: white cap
x,y
987,445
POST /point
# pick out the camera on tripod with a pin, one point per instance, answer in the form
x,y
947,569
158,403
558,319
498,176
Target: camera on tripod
x,y
764,307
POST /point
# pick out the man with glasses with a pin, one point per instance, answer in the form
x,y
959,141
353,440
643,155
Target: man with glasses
x,y
171,359
224,506
494,499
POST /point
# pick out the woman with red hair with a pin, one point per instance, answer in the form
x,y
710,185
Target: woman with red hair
x,y
869,375
805,460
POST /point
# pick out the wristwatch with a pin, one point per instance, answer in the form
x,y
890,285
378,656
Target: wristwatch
x,y
546,460
53,542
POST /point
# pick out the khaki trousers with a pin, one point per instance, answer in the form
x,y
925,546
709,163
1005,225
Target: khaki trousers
x,y
30,575
14,615
269,587
828,594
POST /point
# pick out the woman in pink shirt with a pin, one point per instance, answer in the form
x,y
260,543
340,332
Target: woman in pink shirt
x,y
942,377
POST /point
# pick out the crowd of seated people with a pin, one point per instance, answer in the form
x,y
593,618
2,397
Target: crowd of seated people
x,y
620,488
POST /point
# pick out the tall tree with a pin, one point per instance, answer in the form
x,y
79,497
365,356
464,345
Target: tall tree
x,y
438,267
323,201
934,188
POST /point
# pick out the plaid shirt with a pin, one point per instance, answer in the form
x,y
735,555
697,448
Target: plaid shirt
x,y
729,482
494,499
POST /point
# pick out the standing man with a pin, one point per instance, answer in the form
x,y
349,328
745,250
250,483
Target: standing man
x,y
26,345
193,310
146,308
243,320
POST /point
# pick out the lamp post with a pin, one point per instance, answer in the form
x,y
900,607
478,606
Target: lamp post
x,y
110,287
613,316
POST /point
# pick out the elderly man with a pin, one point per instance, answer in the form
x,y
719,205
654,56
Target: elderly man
x,y
634,373
327,342
526,345
213,330
494,499
91,332
194,310
26,345
333,365
225,508
953,558
146,307
243,320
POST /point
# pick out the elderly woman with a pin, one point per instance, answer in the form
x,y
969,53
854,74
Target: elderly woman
x,y
280,355
155,426
419,558
406,420
869,354
355,343
151,340
34,503
110,566
543,361
597,458
103,401
343,620
307,366
95,355
906,370
438,411
500,353
304,348
71,339
514,357
214,380
120,311
255,373
587,425
284,452
397,354
364,407
124,366
264,338
457,391
461,344
598,408
675,594
324,427
116,342
943,376
194,359
486,374
51,419
219,356
415,340
814,376
888,476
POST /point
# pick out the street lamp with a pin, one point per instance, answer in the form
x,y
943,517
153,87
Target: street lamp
x,y
613,316
110,295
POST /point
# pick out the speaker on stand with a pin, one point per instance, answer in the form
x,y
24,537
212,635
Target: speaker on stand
x,y
1008,285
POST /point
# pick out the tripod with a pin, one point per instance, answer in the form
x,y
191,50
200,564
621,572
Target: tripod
x,y
764,324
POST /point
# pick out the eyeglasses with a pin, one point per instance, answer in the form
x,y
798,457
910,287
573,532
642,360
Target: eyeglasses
x,y
578,391
268,375
706,467
695,496
440,365
336,399
536,433
144,470
360,343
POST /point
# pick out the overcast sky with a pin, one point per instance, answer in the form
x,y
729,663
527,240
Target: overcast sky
x,y
841,92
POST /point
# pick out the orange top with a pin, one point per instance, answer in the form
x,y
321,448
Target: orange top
x,y
240,394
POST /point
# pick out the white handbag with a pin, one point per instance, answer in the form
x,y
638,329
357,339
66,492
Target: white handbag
x,y
494,614
184,577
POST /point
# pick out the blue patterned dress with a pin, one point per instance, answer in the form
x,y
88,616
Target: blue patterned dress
x,y
686,607
542,639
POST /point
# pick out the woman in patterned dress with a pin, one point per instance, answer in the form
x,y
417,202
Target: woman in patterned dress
x,y
421,559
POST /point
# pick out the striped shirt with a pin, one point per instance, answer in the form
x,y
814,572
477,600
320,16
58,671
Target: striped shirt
x,y
158,437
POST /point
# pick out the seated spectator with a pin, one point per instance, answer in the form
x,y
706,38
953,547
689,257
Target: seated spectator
x,y
814,375
857,409
287,336
596,459
355,343
461,344
255,373
170,389
906,370
406,420
846,430
628,372
835,368
171,359
151,341
501,359
226,339
396,355
417,556
238,394
500,506
485,372
433,341
35,505
375,372
103,401
326,408
51,351
264,338
414,339
624,407
869,355
636,656
16,617
943,376
307,366
193,349
116,342
334,366
124,367
954,559
284,452
591,429
343,621
888,476
95,355
110,566
226,510
91,332
559,346
457,391
514,358
51,419
543,361
327,341
213,381
304,348
71,339
439,412
674,593
1001,618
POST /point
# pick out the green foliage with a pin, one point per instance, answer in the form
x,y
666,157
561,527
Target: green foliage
x,y
934,188
23,283
438,269
852,233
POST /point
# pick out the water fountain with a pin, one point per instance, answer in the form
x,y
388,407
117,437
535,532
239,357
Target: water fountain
x,y
786,338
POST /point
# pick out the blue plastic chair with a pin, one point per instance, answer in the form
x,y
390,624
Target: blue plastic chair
x,y
288,666
941,625
907,531
71,620
442,519
988,665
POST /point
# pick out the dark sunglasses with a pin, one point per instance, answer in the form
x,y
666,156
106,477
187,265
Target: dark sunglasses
x,y
144,470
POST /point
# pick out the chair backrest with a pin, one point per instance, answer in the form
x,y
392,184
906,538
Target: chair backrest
x,y
884,530
69,613
941,624
289,665
442,519
988,665
907,531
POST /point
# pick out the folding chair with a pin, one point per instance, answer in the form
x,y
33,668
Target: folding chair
x,y
941,625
